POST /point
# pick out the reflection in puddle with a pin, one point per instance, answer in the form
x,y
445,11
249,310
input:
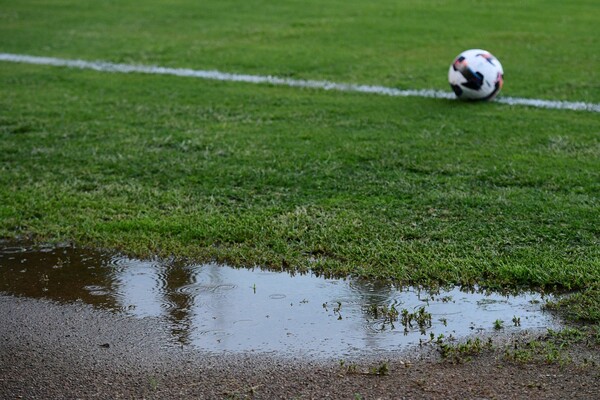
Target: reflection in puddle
x,y
218,308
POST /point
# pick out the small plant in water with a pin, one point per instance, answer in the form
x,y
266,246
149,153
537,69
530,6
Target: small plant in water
x,y
446,299
389,314
498,324
337,310
516,320
421,318
440,338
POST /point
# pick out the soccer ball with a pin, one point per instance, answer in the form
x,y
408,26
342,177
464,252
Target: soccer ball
x,y
476,75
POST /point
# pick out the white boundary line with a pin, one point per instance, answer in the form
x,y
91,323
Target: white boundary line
x,y
273,80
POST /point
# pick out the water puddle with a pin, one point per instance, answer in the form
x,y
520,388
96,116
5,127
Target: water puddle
x,y
223,309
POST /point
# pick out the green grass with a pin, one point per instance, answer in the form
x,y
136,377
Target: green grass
x,y
580,307
422,191
549,49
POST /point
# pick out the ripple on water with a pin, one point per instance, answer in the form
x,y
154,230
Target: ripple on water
x,y
277,296
205,290
96,290
13,250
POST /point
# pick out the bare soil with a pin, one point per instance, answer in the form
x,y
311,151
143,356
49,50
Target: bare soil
x,y
57,351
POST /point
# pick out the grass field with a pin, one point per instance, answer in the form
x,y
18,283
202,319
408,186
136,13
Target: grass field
x,y
423,191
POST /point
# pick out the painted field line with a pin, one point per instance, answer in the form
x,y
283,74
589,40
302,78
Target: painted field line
x,y
273,80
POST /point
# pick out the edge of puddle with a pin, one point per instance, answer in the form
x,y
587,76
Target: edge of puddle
x,y
151,338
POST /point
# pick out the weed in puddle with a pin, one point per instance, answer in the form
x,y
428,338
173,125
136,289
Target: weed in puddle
x,y
498,324
388,314
422,318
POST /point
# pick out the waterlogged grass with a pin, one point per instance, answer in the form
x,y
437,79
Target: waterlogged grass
x,y
421,191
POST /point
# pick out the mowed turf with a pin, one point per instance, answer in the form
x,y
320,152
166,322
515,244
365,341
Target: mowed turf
x,y
422,191
549,48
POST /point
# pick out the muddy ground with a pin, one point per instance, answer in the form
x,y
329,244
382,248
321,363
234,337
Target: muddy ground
x,y
57,351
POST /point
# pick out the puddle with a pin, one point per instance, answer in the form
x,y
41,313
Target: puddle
x,y
223,309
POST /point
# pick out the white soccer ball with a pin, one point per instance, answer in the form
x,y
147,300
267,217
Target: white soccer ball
x,y
476,75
